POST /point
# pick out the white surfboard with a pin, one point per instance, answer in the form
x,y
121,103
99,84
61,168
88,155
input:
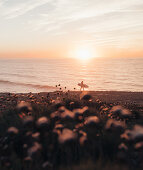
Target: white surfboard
x,y
84,85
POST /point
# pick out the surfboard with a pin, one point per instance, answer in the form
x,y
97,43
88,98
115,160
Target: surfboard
x,y
84,85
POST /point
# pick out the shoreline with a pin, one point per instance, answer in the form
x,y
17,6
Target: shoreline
x,y
74,91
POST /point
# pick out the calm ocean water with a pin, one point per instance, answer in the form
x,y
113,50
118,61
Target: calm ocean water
x,y
38,75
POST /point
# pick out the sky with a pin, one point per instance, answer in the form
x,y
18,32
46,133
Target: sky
x,y
54,28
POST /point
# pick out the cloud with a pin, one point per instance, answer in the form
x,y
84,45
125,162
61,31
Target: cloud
x,y
83,12
20,7
95,21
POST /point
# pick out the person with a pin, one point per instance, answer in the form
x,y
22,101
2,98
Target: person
x,y
82,86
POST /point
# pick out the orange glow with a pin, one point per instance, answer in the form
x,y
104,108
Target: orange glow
x,y
81,53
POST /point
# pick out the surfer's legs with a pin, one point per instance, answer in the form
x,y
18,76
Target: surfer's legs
x,y
82,88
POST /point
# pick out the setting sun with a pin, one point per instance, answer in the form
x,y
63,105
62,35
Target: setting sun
x,y
83,54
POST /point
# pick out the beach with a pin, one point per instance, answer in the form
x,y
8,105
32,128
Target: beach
x,y
76,129
127,99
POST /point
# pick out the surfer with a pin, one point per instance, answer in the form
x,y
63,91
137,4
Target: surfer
x,y
82,86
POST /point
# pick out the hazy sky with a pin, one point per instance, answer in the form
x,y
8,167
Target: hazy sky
x,y
55,27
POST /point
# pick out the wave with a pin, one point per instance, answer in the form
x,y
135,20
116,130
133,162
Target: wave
x,y
28,84
18,75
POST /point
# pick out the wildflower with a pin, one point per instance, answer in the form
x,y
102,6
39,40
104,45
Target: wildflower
x,y
91,120
122,146
27,159
138,145
67,114
47,165
134,134
12,130
59,126
24,107
66,135
80,111
42,120
114,124
36,135
120,111
35,148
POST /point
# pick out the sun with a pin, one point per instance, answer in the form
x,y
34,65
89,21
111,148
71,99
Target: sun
x,y
82,53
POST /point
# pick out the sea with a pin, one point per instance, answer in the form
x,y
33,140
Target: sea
x,y
42,75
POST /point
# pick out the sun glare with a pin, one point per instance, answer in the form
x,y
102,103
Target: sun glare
x,y
83,53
